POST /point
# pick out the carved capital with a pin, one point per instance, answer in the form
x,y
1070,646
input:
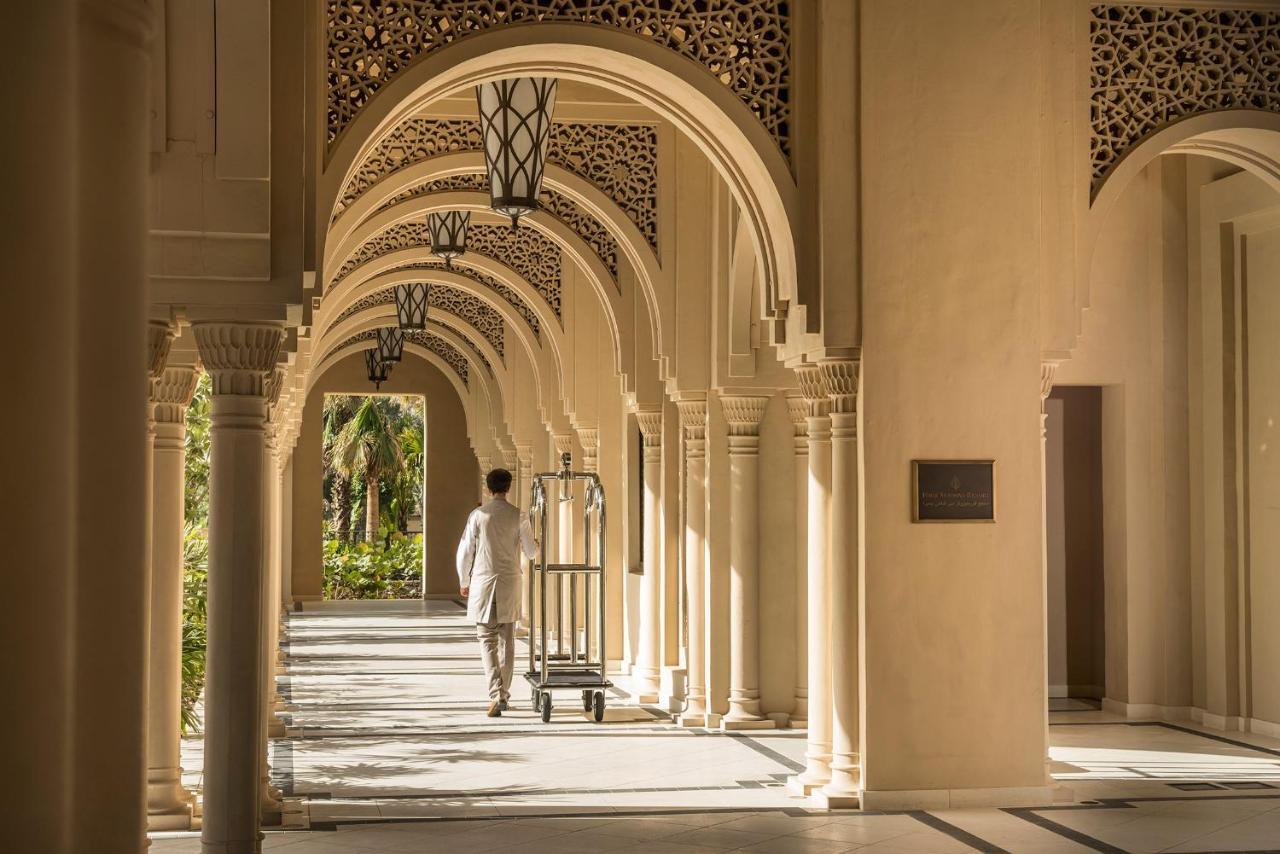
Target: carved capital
x,y
509,460
693,422
840,378
743,414
650,422
159,340
1048,369
275,384
239,356
563,443
812,389
589,438
171,393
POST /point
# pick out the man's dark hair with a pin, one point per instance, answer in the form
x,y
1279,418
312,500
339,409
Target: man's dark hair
x,y
498,481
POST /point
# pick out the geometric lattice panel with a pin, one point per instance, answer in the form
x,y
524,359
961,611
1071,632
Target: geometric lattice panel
x,y
434,343
620,160
475,311
509,295
745,44
586,226
1152,65
471,345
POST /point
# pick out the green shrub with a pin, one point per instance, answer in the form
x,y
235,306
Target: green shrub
x,y
195,621
390,568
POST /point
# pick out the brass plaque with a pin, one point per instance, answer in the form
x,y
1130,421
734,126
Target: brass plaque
x,y
953,491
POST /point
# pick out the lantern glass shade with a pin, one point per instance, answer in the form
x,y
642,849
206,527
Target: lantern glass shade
x,y
515,123
411,305
390,344
448,234
377,368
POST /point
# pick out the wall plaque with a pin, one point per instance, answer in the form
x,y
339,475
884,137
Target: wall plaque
x,y
953,491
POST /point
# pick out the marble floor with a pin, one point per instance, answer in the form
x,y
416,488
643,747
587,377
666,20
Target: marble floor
x,y
388,749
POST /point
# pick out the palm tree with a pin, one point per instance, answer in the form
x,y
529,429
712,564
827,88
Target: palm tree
x,y
338,411
408,486
368,446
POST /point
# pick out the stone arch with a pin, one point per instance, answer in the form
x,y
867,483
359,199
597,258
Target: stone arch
x,y
700,106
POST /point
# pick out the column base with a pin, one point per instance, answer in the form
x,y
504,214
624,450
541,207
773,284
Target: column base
x,y
179,818
731,724
673,688
781,720
798,723
691,719
828,801
934,799
801,787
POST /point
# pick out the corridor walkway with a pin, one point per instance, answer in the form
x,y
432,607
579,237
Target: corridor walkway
x,y
388,749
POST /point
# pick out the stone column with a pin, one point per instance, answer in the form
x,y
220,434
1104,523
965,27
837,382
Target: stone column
x,y
817,754
272,726
589,439
743,415
239,357
524,456
693,422
646,675
564,544
1048,369
841,380
168,803
798,409
111,595
485,465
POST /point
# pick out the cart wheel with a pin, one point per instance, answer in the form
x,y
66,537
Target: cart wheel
x,y
586,701
546,707
598,706
537,700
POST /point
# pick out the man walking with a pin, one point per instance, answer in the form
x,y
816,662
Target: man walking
x,y
489,576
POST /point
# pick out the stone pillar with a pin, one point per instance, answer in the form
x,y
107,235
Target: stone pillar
x,y
239,358
564,544
1048,369
817,754
111,594
798,409
486,464
646,674
841,380
589,439
168,803
524,456
743,415
272,726
693,422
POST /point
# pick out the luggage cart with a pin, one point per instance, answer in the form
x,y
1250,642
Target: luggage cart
x,y
567,667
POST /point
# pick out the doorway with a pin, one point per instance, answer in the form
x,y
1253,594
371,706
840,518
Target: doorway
x,y
374,476
1074,546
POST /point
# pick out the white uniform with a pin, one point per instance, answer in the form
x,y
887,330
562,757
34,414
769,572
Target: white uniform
x,y
489,561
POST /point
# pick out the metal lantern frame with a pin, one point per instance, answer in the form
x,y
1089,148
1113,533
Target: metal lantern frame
x,y
411,305
390,344
448,234
515,125
377,369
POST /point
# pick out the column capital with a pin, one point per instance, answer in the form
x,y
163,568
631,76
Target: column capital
x,y
159,340
563,443
813,390
840,378
650,423
239,356
693,421
743,414
509,459
171,392
1048,370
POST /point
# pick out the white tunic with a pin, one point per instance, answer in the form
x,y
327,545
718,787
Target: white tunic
x,y
489,561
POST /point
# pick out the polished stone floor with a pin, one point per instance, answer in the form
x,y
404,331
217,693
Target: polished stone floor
x,y
388,749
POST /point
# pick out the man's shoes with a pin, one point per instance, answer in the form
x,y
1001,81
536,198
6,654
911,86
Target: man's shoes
x,y
502,705
495,709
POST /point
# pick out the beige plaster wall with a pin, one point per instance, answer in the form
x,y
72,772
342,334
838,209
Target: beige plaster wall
x,y
953,621
452,470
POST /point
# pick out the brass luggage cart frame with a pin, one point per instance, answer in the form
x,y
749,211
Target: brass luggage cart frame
x,y
568,667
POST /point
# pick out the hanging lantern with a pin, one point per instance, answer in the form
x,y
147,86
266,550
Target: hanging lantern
x,y
515,123
448,234
411,305
390,344
378,369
